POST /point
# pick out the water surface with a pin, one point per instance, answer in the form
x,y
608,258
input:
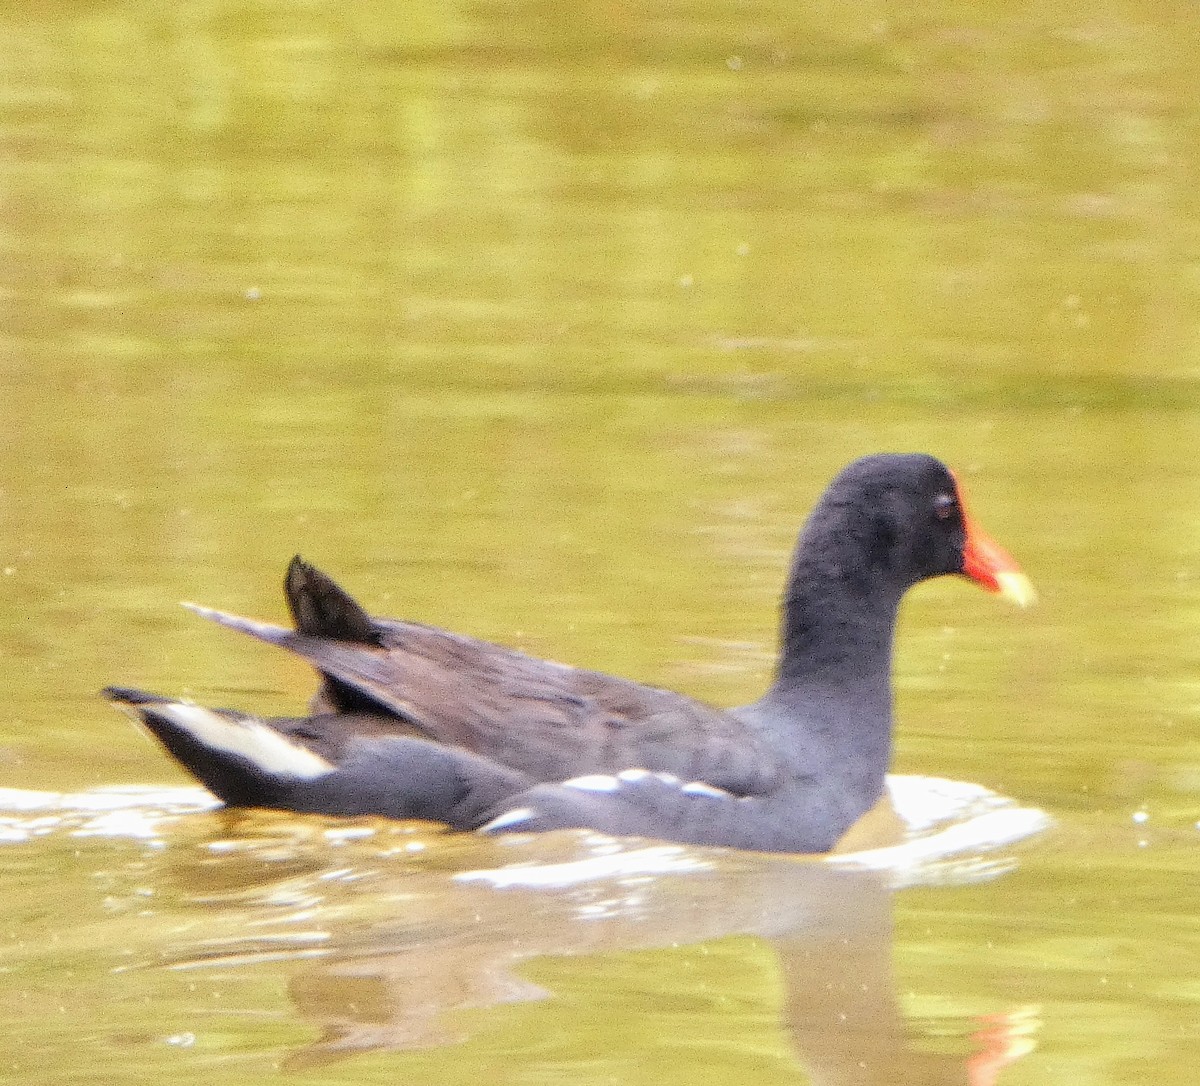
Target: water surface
x,y
549,326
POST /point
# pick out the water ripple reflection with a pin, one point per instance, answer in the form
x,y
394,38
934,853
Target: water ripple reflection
x,y
388,933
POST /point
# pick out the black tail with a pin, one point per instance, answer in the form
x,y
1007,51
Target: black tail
x,y
128,695
239,759
320,608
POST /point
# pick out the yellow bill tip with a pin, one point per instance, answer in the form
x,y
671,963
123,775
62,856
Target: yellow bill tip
x,y
1015,587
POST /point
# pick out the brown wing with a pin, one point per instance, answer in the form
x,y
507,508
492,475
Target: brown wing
x,y
542,718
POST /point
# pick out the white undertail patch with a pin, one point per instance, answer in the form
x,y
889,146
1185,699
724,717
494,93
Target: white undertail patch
x,y
267,749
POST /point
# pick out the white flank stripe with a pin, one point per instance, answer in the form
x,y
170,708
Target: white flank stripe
x,y
267,749
510,818
700,788
637,774
593,782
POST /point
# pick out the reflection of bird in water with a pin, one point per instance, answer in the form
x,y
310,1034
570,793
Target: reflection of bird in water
x,y
414,722
438,947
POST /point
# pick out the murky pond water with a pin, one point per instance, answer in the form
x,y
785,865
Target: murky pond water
x,y
549,326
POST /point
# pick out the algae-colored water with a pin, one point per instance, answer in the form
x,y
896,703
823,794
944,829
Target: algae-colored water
x,y
549,325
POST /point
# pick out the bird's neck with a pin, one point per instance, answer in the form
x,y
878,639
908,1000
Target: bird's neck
x,y
836,630
836,650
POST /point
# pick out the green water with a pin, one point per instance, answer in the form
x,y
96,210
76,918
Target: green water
x,y
548,325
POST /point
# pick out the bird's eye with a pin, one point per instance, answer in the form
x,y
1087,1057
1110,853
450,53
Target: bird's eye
x,y
944,506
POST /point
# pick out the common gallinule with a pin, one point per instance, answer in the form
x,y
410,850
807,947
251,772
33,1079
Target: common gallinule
x,y
414,722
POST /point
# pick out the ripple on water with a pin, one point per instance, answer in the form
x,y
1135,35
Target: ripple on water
x,y
954,832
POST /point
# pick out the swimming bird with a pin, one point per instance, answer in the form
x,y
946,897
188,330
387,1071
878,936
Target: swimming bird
x,y
411,721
